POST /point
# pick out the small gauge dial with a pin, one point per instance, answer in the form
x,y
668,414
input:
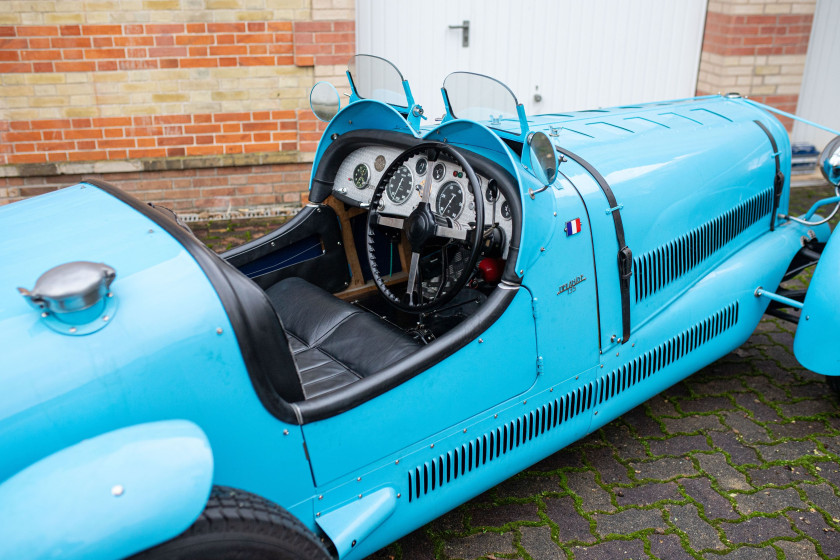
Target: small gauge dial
x,y
492,192
421,166
438,172
361,176
450,200
399,187
379,163
505,210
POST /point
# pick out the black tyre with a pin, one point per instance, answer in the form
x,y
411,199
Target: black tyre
x,y
238,525
833,383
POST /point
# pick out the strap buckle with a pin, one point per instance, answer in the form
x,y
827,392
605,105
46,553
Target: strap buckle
x,y
625,263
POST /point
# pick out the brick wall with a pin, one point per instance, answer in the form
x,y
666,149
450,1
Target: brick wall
x,y
756,48
119,87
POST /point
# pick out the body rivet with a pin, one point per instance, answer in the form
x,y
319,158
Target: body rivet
x,y
360,496
219,330
551,390
321,497
542,249
318,514
480,340
399,495
525,402
432,446
72,329
105,318
495,416
285,432
465,430
117,490
616,353
358,479
555,213
397,462
151,231
44,314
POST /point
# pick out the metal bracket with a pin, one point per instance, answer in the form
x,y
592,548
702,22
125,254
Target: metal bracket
x,y
613,209
465,32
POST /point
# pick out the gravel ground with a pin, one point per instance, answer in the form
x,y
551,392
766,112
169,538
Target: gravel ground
x,y
739,461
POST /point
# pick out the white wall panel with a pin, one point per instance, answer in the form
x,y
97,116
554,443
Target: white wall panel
x,y
577,54
819,100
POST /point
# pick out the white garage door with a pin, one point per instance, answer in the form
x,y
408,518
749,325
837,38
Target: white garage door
x,y
568,53
818,100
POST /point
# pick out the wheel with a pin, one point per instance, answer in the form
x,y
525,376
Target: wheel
x,y
239,525
833,383
427,232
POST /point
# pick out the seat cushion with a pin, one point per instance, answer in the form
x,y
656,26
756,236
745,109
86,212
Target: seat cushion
x,y
334,343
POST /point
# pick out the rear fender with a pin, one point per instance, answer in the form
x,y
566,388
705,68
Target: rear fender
x,y
109,496
815,342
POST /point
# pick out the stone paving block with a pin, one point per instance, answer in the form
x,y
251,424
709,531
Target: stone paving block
x,y
717,468
746,428
768,389
603,460
647,494
693,424
663,469
499,515
823,496
813,389
479,545
538,544
453,521
799,550
769,500
715,506
591,494
524,486
760,411
678,445
628,521
779,475
660,405
626,445
756,530
813,525
830,471
644,425
612,550
705,404
739,452
797,429
809,407
416,546
572,526
668,547
700,534
782,355
831,443
715,386
745,553
787,450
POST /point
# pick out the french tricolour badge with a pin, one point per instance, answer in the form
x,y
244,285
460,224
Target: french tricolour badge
x,y
573,227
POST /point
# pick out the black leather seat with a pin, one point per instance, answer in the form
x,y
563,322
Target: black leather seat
x,y
334,343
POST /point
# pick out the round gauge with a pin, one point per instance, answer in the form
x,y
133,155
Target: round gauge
x,y
361,176
450,200
379,163
421,166
438,172
399,187
505,210
492,192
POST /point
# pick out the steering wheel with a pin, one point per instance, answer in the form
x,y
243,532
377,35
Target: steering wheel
x,y
423,228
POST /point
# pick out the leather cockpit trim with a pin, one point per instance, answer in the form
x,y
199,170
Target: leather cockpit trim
x,y
253,330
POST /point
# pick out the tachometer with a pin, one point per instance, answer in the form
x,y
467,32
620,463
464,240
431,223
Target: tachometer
x,y
399,187
450,200
361,176
422,165
438,172
505,210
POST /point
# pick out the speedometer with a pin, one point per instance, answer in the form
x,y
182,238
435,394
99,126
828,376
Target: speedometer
x,y
399,187
450,200
361,176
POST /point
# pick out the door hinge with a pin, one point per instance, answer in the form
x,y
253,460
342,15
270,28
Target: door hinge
x,y
539,365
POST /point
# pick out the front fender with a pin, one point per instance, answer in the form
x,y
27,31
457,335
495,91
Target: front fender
x,y
109,496
816,335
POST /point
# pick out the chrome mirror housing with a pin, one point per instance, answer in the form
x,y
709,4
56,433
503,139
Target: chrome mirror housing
x,y
324,101
829,162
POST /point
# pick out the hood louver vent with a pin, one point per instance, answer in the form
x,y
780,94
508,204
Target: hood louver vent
x,y
657,268
641,368
447,467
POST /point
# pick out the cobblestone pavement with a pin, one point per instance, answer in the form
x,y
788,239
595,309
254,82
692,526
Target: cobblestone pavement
x,y
741,461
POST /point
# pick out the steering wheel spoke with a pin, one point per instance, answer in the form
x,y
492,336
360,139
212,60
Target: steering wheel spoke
x,y
386,220
449,232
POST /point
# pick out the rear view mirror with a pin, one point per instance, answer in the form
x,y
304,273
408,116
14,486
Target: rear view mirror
x,y
543,158
324,101
829,161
